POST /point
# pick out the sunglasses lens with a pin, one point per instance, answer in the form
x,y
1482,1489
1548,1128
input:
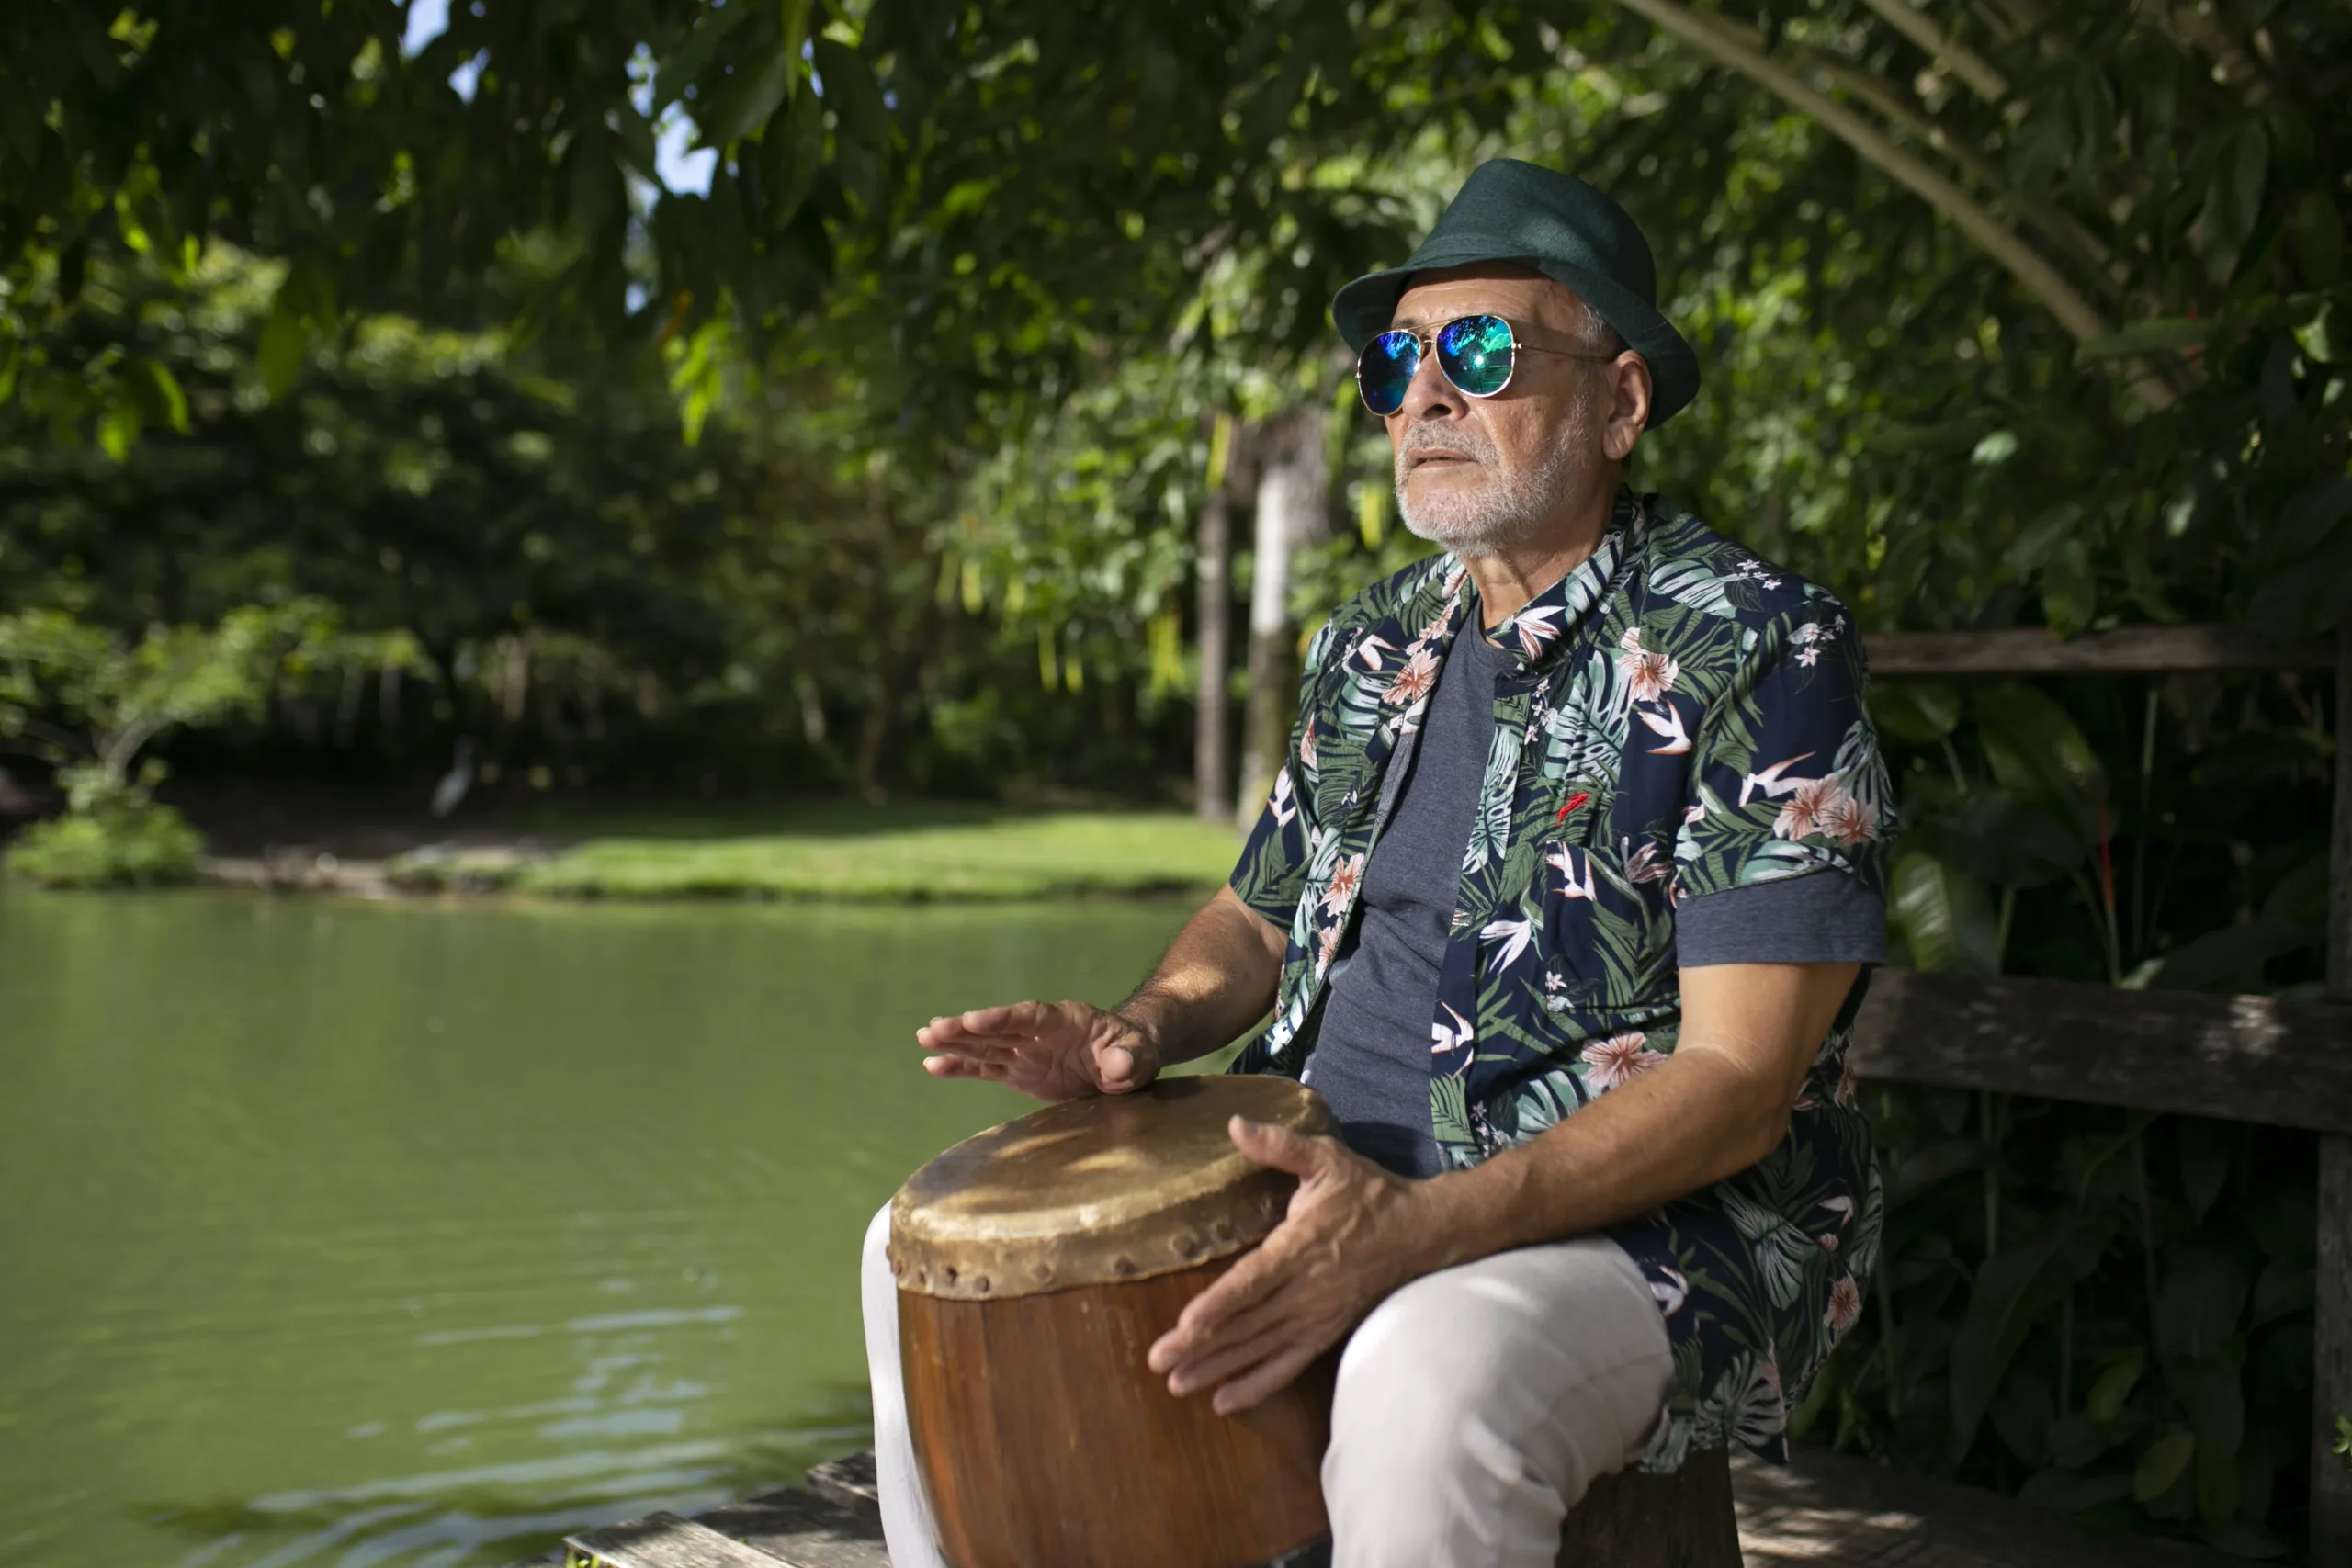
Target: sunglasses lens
x,y
1385,369
1475,354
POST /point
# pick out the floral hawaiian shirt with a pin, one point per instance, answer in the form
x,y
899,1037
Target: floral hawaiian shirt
x,y
1681,718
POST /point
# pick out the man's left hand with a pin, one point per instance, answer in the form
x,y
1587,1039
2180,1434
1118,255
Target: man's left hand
x,y
1353,1234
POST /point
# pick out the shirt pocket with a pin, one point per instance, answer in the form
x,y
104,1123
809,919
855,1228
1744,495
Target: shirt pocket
x,y
1608,929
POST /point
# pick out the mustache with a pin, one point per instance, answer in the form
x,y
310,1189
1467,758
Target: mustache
x,y
1424,438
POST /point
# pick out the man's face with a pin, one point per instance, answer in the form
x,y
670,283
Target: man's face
x,y
1482,475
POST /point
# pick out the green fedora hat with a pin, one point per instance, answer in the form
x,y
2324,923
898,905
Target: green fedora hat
x,y
1509,210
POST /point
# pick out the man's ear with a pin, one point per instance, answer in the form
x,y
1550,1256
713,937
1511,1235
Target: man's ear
x,y
1629,407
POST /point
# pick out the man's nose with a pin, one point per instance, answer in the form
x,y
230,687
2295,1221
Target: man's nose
x,y
1429,395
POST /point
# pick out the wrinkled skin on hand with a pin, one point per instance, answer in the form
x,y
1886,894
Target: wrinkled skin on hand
x,y
1353,1233
1049,1051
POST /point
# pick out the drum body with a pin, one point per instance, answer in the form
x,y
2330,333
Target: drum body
x,y
1036,1263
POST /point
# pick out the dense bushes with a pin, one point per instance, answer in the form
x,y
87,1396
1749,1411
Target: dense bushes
x,y
129,844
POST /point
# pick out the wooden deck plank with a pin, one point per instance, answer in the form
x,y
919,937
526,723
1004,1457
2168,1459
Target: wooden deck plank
x,y
850,1481
1824,1511
802,1530
783,1529
1833,1511
665,1540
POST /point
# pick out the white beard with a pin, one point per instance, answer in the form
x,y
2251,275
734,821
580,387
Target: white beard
x,y
1510,509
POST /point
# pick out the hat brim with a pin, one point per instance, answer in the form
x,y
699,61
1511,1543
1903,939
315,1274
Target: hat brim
x,y
1364,308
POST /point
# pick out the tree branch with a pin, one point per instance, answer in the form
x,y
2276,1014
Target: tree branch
x,y
1971,67
117,752
2033,271
1828,73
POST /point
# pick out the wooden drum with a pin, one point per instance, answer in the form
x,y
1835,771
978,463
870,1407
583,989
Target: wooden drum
x,y
1036,1263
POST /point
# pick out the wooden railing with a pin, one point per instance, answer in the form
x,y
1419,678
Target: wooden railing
x,y
2246,1058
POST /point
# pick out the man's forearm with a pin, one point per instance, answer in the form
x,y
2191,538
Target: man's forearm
x,y
1715,1107
1695,1120
1218,979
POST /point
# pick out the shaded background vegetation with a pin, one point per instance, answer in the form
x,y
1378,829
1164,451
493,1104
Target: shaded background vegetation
x,y
814,397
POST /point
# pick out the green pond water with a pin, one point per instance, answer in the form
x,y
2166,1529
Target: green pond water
x,y
351,1235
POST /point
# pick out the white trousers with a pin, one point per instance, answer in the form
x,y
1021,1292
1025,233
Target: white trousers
x,y
1474,1408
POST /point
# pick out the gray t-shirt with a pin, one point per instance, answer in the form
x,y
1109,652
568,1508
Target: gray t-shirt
x,y
1372,1053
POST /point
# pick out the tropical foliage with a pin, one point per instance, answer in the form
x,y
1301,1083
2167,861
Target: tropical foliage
x,y
114,697
825,395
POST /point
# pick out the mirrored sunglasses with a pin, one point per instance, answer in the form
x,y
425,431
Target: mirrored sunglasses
x,y
1474,354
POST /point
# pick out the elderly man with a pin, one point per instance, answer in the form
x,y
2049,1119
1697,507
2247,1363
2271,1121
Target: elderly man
x,y
1563,900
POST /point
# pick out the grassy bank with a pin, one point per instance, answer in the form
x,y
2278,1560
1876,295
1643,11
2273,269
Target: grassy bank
x,y
881,853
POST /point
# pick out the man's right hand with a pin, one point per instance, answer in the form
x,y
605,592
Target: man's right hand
x,y
1048,1050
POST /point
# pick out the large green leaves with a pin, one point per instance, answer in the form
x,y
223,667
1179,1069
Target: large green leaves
x,y
2012,1291
1943,916
2237,167
2040,757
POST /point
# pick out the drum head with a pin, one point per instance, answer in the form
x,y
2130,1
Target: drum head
x,y
1098,1190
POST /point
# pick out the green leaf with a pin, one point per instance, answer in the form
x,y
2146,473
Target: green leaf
x,y
2282,1290
2306,523
2319,239
2208,1393
161,388
792,152
285,344
2012,1290
2239,168
849,90
2306,597
2301,897
118,428
2198,1301
1943,916
2039,756
1992,835
2069,589
1921,712
2234,954
685,67
2113,1386
2023,1416
751,100
2162,1465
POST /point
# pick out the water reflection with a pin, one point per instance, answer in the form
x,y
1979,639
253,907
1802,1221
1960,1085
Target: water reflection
x,y
308,1281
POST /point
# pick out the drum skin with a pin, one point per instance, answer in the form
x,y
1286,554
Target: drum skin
x,y
1044,1440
